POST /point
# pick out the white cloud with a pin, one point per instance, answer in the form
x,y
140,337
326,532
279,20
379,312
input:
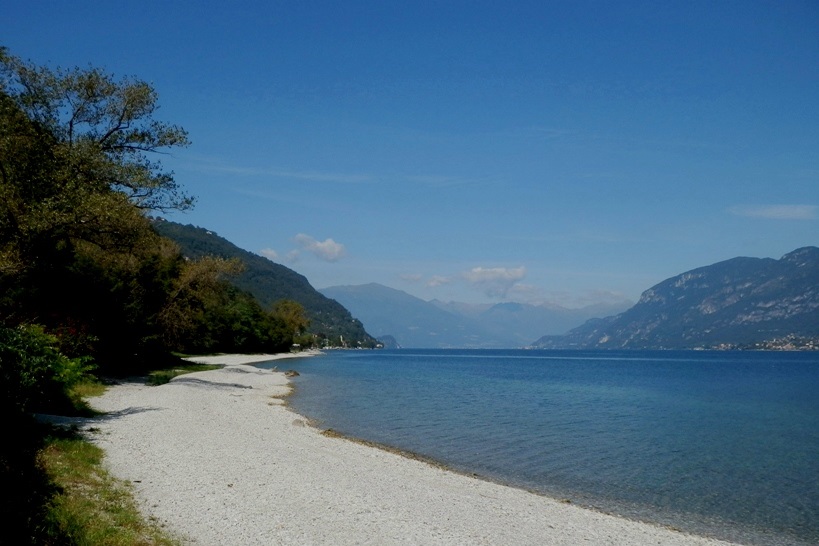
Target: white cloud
x,y
495,281
327,250
777,212
438,280
526,293
270,254
493,274
411,277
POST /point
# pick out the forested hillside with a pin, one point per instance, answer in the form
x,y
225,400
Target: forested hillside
x,y
270,282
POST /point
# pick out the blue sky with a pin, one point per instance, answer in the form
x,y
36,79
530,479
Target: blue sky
x,y
566,152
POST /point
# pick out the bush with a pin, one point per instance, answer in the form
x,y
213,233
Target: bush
x,y
34,375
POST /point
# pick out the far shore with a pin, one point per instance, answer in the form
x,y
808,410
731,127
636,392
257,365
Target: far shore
x,y
218,458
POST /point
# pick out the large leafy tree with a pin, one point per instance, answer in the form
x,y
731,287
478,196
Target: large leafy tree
x,y
102,128
77,178
75,159
292,315
197,289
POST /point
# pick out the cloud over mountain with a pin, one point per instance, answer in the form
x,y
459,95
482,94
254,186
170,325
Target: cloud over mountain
x,y
327,250
270,254
495,281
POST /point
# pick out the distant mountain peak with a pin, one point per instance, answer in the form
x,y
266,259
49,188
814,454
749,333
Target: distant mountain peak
x,y
416,323
734,303
802,256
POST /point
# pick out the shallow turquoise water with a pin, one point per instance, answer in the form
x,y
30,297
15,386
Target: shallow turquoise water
x,y
724,444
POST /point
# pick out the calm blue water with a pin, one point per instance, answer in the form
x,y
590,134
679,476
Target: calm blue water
x,y
724,444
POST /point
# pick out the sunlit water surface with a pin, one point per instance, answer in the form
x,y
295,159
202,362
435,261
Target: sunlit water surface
x,y
724,444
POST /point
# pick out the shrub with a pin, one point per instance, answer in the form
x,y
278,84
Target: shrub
x,y
34,375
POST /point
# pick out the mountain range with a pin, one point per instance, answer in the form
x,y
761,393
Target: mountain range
x,y
737,303
395,317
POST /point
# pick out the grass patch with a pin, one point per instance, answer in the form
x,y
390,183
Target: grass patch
x,y
87,389
91,507
54,490
160,377
78,394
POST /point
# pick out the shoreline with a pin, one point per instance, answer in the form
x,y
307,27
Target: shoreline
x,y
639,513
234,359
218,457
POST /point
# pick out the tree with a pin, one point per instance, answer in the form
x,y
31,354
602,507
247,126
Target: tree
x,y
74,159
102,129
292,316
76,183
196,291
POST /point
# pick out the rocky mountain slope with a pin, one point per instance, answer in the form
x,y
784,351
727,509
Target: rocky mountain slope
x,y
738,303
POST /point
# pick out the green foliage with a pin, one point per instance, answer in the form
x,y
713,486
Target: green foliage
x,y
77,253
34,375
196,289
206,314
242,324
87,388
269,282
293,317
99,130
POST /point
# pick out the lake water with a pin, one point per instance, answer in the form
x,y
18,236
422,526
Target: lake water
x,y
724,444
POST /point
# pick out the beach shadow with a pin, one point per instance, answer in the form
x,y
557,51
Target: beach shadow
x,y
83,422
118,414
193,381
